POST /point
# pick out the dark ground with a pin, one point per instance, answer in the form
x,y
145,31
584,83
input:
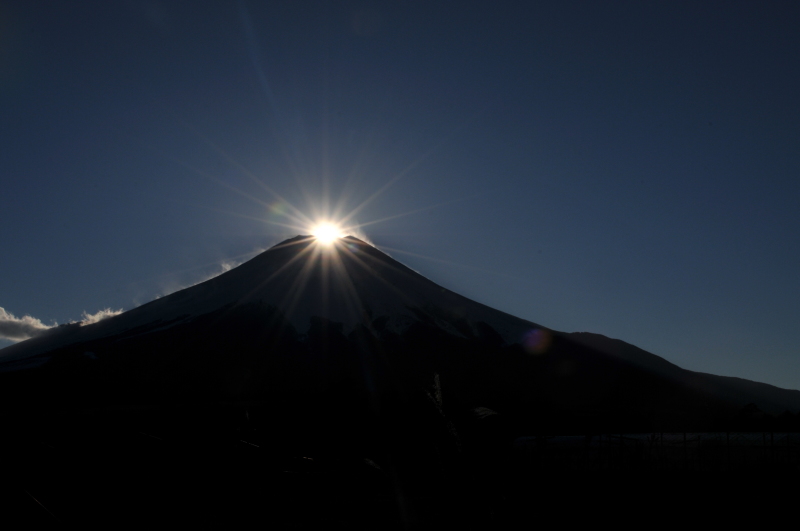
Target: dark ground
x,y
137,467
176,427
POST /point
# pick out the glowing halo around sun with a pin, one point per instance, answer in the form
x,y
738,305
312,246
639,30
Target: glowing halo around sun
x,y
326,233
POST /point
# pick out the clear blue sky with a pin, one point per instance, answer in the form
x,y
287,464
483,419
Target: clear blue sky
x,y
625,168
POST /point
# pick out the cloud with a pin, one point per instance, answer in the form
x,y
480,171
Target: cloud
x,y
87,319
227,266
20,328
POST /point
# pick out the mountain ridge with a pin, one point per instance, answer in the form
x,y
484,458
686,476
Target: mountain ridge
x,y
205,296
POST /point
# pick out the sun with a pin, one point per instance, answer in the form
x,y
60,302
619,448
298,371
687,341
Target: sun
x,y
326,233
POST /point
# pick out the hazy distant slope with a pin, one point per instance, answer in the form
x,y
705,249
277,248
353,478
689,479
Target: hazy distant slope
x,y
737,391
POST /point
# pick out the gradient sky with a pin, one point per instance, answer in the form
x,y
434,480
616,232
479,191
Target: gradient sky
x,y
625,168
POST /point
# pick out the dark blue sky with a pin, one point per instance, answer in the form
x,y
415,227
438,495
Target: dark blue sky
x,y
625,168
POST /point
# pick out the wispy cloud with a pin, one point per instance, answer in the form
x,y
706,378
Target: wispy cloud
x,y
20,328
227,266
87,318
13,328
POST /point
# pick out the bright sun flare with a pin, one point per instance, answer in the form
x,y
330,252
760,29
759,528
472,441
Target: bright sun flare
x,y
326,233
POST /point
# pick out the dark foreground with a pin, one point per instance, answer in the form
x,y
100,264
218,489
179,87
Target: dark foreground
x,y
134,467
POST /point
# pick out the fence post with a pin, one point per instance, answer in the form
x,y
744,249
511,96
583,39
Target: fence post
x,y
685,453
728,448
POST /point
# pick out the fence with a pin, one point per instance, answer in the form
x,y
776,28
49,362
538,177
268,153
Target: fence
x,y
727,451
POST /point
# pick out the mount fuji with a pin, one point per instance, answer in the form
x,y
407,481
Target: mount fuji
x,y
304,318
332,377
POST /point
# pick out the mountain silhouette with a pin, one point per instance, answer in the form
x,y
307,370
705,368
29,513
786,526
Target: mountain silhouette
x,y
303,317
343,356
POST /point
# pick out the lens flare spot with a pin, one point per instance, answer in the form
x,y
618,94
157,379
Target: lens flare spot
x,y
537,341
278,209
